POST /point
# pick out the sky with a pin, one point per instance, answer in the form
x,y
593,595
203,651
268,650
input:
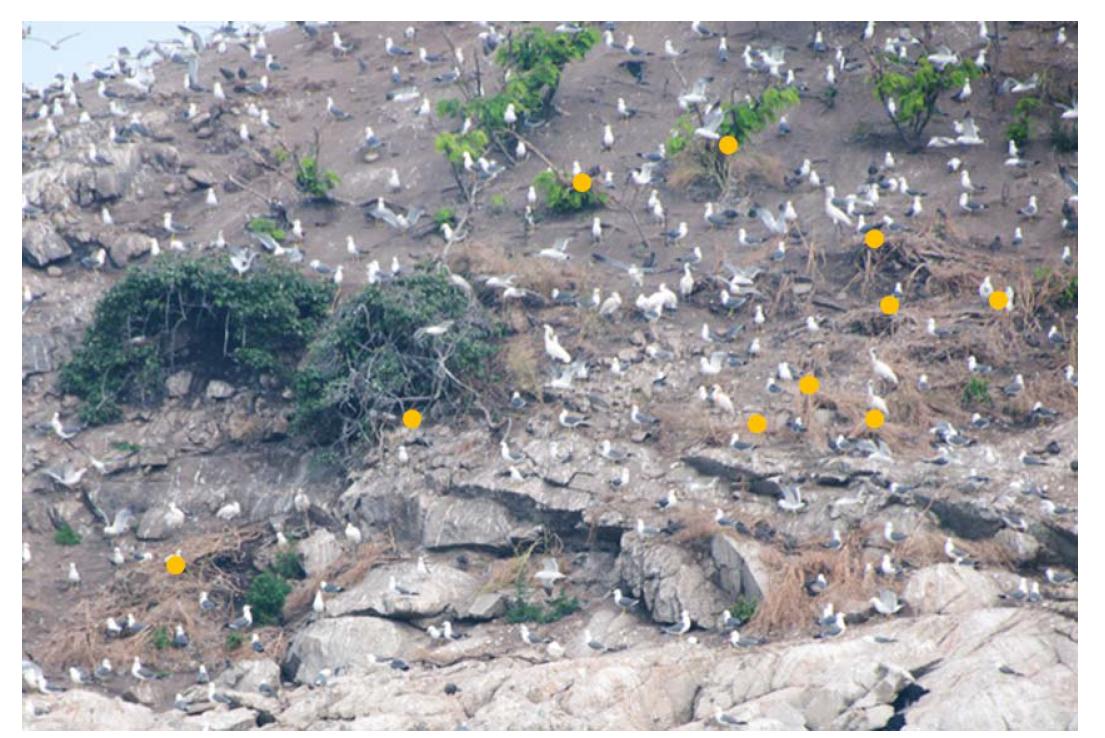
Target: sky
x,y
92,46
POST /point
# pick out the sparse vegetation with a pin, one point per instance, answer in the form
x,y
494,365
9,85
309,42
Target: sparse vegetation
x,y
445,215
191,311
160,638
126,447
1068,298
66,536
521,610
739,120
743,609
1064,139
976,392
1020,128
289,565
266,596
312,180
234,641
564,198
266,225
374,360
497,202
915,91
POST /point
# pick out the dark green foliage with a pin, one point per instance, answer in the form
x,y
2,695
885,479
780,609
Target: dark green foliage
x,y
266,225
523,611
1068,298
976,392
266,596
197,311
453,145
66,536
289,565
915,92
564,198
161,638
743,609
314,181
370,361
234,641
1020,129
1064,139
126,447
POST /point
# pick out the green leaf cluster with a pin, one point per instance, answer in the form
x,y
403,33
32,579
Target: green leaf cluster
x,y
564,198
266,595
191,311
369,360
266,225
915,90
313,180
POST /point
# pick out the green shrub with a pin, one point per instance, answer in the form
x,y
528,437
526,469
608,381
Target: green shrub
x,y
1064,139
744,609
313,181
976,392
234,641
916,92
445,215
161,638
1068,298
370,361
1020,129
185,310
453,145
564,198
523,611
497,202
126,447
266,225
66,536
266,596
289,565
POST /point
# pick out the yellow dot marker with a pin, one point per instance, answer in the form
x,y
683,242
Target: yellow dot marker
x,y
889,305
998,300
874,238
412,419
582,182
874,419
757,423
175,565
728,145
809,384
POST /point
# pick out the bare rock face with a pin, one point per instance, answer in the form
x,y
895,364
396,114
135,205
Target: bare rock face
x,y
947,588
219,390
320,549
670,578
178,383
247,675
454,521
152,526
42,245
447,590
83,709
125,247
338,643
740,569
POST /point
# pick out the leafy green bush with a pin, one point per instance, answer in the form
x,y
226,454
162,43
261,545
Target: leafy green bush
x,y
234,641
739,120
312,180
445,215
187,310
915,92
161,638
372,360
66,536
1068,298
266,597
1020,129
743,609
522,610
266,225
289,565
453,145
1064,139
564,198
976,391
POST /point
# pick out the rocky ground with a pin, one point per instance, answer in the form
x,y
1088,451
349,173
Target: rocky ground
x,y
959,655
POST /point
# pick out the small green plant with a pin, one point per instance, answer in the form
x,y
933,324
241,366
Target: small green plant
x,y
743,609
1068,298
281,155
266,596
976,392
234,641
161,638
1064,139
445,215
522,610
915,91
1020,128
266,225
126,447
289,565
497,202
314,181
66,536
564,198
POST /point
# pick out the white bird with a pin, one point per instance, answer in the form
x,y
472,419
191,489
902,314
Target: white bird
x,y
353,534
74,575
881,368
553,347
549,574
229,511
874,401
